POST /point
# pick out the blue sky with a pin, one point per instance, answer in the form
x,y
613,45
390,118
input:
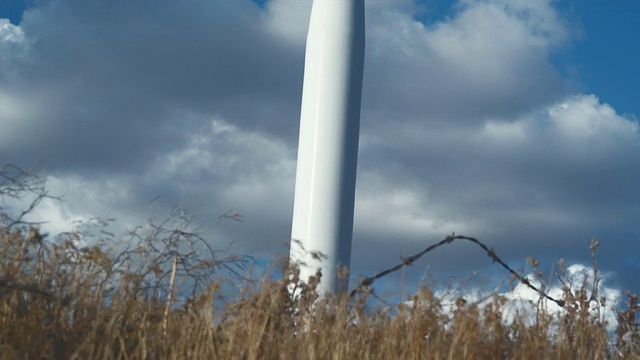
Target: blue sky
x,y
511,121
605,54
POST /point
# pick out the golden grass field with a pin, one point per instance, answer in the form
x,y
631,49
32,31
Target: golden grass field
x,y
60,302
167,295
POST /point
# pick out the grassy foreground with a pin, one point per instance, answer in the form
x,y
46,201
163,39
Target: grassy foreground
x,y
61,302
160,292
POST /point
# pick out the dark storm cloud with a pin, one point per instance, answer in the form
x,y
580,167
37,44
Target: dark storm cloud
x,y
466,126
109,76
543,184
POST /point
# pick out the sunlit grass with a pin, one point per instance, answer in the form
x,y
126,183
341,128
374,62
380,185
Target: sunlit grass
x,y
57,301
164,294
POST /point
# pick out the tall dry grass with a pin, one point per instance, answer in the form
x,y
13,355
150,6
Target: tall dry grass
x,y
60,302
162,298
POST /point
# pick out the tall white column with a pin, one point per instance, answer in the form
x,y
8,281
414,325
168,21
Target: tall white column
x,y
328,142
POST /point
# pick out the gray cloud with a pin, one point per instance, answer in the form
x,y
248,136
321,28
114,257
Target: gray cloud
x,y
488,60
116,77
466,126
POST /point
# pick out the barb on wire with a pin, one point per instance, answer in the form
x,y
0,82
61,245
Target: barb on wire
x,y
406,261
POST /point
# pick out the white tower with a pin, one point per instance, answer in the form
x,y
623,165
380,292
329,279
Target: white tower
x,y
328,142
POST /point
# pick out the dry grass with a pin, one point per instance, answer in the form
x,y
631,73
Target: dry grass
x,y
163,297
59,302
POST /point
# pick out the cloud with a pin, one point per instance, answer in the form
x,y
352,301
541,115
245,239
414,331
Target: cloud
x,y
524,304
522,301
466,127
226,168
530,185
489,59
118,77
288,19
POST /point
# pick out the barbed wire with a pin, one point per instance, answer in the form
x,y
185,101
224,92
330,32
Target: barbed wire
x,y
406,261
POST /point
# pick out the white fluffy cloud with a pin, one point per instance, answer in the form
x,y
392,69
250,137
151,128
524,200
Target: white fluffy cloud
x,y
524,304
489,59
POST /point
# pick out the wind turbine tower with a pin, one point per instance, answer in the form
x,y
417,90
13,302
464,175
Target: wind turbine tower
x,y
328,141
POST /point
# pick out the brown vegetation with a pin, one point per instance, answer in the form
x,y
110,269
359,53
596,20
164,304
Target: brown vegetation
x,y
58,301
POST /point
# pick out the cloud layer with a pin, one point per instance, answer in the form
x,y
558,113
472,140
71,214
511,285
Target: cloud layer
x,y
466,127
